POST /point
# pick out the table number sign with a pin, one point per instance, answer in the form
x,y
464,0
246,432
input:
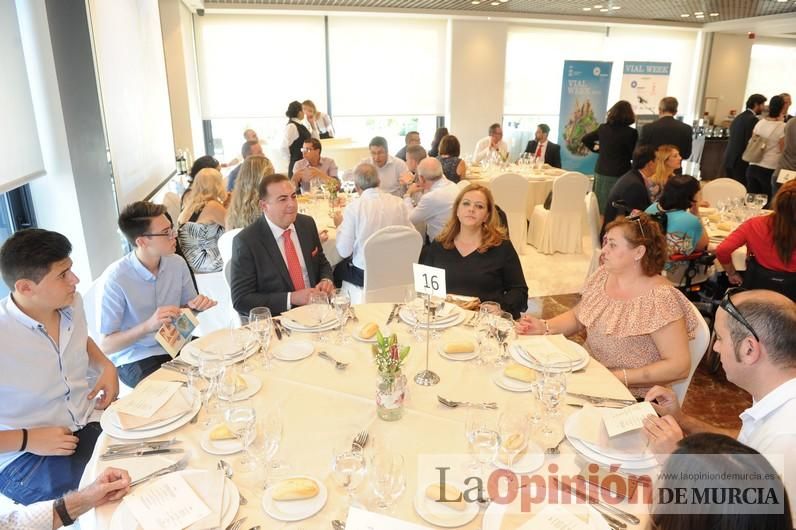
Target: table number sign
x,y
429,280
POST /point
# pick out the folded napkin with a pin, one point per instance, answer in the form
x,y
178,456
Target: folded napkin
x,y
307,316
221,342
209,486
465,302
590,428
179,404
549,350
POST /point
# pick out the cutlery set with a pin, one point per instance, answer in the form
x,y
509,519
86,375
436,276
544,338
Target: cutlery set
x,y
131,450
615,517
179,366
454,404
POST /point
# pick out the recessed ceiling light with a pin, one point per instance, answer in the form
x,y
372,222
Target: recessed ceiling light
x,y
475,2
782,1
700,16
495,3
603,10
616,7
587,9
714,14
598,6
685,15
504,1
698,13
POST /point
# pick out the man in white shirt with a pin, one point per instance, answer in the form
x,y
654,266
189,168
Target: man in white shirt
x,y
433,210
491,145
46,432
390,168
372,211
756,340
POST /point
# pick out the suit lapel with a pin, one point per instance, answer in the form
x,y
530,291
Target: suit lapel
x,y
272,248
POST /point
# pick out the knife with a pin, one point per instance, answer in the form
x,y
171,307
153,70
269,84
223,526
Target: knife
x,y
154,444
141,452
285,330
600,506
392,313
277,330
353,314
587,397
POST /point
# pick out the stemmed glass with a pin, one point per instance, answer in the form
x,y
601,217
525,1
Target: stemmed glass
x,y
261,324
228,386
553,388
410,305
760,200
319,302
348,468
482,437
211,368
269,437
504,326
513,431
387,478
242,421
240,336
341,302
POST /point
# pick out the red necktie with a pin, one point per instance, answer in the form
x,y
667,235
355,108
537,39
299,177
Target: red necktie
x,y
293,263
538,151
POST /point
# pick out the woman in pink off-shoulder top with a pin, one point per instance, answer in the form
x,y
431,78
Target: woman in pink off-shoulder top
x,y
638,324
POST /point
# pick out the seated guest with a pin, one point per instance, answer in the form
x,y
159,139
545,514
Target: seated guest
x,y
717,455
684,231
638,324
198,165
248,149
46,435
436,201
542,149
478,258
411,138
244,207
144,290
201,222
111,485
756,342
390,168
453,167
491,146
667,163
313,166
320,124
631,191
372,211
414,154
771,239
439,134
278,261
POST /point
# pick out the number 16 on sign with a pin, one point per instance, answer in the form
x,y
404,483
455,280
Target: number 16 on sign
x,y
429,280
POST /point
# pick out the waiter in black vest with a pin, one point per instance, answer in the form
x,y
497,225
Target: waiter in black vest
x,y
295,135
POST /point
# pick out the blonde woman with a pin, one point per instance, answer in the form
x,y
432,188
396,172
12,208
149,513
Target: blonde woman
x,y
667,161
201,222
320,123
245,206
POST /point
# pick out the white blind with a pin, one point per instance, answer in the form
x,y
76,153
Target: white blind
x,y
135,99
770,69
253,66
387,65
19,140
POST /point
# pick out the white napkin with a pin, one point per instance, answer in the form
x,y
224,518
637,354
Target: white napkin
x,y
166,504
222,342
179,404
549,350
590,428
555,516
307,316
209,486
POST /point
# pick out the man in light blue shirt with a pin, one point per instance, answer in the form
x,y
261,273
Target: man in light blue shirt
x,y
144,290
46,434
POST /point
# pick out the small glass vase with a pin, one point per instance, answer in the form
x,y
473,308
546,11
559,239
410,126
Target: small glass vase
x,y
390,396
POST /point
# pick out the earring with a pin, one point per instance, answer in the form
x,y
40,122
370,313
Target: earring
x,y
637,259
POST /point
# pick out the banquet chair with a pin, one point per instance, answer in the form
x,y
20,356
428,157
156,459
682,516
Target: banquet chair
x,y
172,203
722,189
560,229
697,348
389,255
593,226
225,244
92,300
463,183
511,194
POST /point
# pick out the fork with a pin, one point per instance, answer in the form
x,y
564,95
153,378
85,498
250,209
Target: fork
x,y
454,404
337,364
177,466
360,439
553,450
235,525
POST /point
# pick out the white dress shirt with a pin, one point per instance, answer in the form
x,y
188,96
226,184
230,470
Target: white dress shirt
x,y
769,426
280,242
291,135
390,174
323,124
434,207
371,211
43,384
36,516
482,149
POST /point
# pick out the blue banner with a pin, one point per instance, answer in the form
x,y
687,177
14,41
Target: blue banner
x,y
584,101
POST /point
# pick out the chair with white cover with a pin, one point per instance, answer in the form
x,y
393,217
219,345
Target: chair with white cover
x,y
721,190
511,194
225,244
389,255
697,348
560,229
593,226
463,183
172,203
92,300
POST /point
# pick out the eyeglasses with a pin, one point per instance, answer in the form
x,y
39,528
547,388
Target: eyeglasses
x,y
727,305
637,218
171,234
307,149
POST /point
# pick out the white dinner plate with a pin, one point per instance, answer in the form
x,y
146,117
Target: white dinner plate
x,y
190,354
253,385
293,350
437,513
219,447
579,355
295,326
109,421
405,315
531,460
449,313
512,385
647,463
295,510
457,356
123,518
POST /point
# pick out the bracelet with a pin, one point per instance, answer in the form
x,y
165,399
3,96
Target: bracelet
x,y
624,373
546,327
60,509
24,440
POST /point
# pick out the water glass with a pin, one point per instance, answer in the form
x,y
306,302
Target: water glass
x,y
348,468
504,327
228,386
553,389
242,421
387,478
261,324
266,443
319,303
513,431
482,437
211,367
341,302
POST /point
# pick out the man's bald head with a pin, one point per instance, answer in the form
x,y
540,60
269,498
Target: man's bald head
x,y
773,317
430,169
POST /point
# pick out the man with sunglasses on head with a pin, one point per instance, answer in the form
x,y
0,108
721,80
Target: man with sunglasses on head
x,y
144,290
756,341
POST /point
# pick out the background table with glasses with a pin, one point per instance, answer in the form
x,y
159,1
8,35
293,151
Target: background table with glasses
x,y
319,208
725,217
323,407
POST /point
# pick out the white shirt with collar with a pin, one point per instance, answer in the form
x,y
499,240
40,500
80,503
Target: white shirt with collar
x,y
373,210
43,384
434,207
390,174
483,148
769,426
36,516
280,242
291,134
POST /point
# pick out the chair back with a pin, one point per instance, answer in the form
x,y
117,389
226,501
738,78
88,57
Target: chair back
x,y
511,193
389,255
568,192
92,307
722,189
593,223
697,348
759,277
225,244
463,183
172,203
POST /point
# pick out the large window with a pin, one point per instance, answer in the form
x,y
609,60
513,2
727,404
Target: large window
x,y
770,70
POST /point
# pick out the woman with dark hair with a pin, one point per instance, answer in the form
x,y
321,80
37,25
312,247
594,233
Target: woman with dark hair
x,y
295,135
198,165
453,167
637,323
439,134
772,130
614,142
709,455
680,201
478,258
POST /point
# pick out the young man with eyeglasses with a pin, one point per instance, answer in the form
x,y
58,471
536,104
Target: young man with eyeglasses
x,y
312,166
756,340
144,290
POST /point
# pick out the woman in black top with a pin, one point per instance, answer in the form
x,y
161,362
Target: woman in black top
x,y
439,134
614,141
295,134
453,167
478,258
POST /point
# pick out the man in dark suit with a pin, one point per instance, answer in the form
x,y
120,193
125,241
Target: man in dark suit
x,y
631,191
666,130
740,132
541,148
278,261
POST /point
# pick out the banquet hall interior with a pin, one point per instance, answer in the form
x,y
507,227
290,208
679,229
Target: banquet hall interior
x,y
534,236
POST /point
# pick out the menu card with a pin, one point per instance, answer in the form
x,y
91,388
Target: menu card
x,y
627,419
177,333
555,516
147,398
166,504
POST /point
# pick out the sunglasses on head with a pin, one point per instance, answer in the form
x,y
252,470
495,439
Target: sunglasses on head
x,y
727,305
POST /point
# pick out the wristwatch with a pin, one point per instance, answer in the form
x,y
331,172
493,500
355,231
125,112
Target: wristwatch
x,y
60,509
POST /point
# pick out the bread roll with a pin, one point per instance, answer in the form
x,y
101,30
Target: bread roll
x,y
453,498
240,384
369,330
727,227
520,373
511,444
221,432
295,489
714,217
460,347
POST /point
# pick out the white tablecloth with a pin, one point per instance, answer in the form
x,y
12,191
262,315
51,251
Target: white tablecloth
x,y
540,184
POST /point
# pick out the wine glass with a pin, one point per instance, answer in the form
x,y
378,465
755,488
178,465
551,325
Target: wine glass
x,y
242,421
513,431
760,200
228,386
553,388
504,326
261,324
341,302
348,468
319,304
387,478
411,308
211,367
482,437
270,428
750,200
